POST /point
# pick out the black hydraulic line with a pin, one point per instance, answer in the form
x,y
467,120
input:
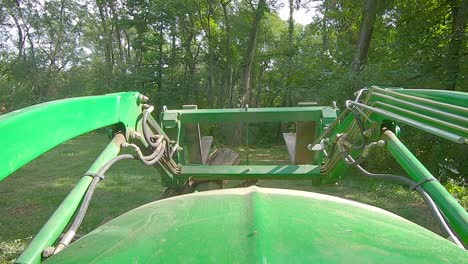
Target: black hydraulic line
x,y
156,159
92,187
390,177
146,129
159,144
414,186
152,123
363,144
439,217
356,162
170,165
159,149
359,94
70,234
156,150
361,128
146,123
363,155
152,155
359,121
150,159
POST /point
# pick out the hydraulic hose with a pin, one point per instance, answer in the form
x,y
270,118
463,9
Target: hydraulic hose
x,y
360,124
361,128
146,129
159,148
438,216
355,162
70,234
414,186
154,157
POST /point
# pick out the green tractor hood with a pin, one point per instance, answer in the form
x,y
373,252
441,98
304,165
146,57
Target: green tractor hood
x,y
260,225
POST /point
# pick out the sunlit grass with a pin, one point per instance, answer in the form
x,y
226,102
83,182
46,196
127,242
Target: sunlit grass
x,y
30,196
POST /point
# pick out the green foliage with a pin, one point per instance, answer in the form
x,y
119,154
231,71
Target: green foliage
x,y
193,52
175,51
9,250
459,191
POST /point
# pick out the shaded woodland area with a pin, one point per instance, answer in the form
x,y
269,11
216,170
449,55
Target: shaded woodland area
x,y
221,53
229,53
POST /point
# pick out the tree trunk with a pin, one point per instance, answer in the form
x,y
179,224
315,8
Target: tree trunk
x,y
20,38
248,64
325,36
212,99
128,55
260,85
173,60
206,25
459,18
290,50
190,60
291,24
367,27
107,45
229,71
118,35
250,55
160,58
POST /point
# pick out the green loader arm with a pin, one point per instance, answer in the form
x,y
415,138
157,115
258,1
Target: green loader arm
x,y
438,112
370,120
27,133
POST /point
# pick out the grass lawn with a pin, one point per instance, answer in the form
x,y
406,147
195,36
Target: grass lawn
x,y
30,196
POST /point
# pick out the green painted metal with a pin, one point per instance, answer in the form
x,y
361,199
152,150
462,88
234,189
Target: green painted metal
x,y
52,229
328,115
457,101
169,120
445,112
334,166
257,225
437,117
425,126
27,133
453,211
271,114
180,140
272,172
422,118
